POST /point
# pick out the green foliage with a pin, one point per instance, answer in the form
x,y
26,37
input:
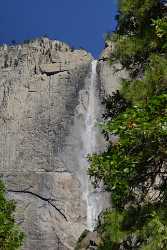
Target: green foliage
x,y
138,8
133,52
114,105
140,150
149,233
129,48
134,167
141,27
154,81
161,27
110,230
137,15
154,234
11,237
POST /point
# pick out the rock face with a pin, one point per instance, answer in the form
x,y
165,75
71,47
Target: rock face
x,y
40,84
110,75
43,98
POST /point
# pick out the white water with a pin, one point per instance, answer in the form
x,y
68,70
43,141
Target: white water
x,y
90,120
87,139
95,199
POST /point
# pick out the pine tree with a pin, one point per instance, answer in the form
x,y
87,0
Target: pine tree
x,y
134,169
11,237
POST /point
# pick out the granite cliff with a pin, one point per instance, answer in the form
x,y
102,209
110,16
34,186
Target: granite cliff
x,y
44,98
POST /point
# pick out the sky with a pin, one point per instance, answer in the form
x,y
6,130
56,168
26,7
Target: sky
x,y
80,23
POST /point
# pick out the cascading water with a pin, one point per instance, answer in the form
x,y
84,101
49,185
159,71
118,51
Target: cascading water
x,y
96,199
85,138
90,121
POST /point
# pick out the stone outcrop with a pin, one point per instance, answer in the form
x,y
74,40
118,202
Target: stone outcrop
x,y
110,74
43,99
88,240
107,52
40,84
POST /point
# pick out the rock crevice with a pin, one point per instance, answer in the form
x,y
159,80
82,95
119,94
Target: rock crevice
x,y
40,84
43,99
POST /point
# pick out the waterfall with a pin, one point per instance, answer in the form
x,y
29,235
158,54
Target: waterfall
x,y
90,142
90,121
96,199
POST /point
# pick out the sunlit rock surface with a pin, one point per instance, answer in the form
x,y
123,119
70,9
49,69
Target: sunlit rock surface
x,y
44,96
40,84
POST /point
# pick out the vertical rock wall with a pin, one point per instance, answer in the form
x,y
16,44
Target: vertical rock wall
x,y
40,86
43,100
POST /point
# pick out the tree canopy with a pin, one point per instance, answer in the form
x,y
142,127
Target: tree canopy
x,y
11,237
141,31
134,169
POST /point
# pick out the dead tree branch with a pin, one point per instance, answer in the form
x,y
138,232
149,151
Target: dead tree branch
x,y
49,200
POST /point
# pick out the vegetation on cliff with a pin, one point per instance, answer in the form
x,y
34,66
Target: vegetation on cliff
x,y
11,237
134,168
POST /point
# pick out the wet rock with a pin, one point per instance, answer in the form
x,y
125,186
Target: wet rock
x,y
43,100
